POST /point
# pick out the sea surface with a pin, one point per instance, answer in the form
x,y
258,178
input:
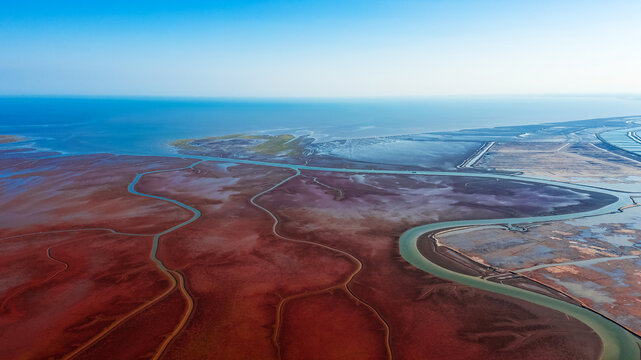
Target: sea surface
x,y
145,126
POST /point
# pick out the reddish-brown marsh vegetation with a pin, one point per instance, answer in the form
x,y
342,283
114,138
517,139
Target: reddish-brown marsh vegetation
x,y
329,283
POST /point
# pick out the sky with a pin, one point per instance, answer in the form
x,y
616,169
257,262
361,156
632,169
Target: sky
x,y
328,48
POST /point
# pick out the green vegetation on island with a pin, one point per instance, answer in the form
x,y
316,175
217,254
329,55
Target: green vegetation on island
x,y
285,144
184,144
279,144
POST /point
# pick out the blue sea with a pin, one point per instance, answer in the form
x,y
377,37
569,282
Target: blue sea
x,y
146,125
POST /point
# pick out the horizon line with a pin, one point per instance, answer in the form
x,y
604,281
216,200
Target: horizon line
x,y
321,97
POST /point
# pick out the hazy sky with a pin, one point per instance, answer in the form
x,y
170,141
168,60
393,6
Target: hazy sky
x,y
320,48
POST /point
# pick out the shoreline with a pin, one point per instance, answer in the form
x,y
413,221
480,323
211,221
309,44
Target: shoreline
x,y
157,144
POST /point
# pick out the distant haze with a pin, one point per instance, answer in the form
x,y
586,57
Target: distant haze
x,y
335,48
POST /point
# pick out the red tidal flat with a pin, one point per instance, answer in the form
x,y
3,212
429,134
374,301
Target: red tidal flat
x,y
429,318
331,326
83,192
96,278
237,270
326,282
80,268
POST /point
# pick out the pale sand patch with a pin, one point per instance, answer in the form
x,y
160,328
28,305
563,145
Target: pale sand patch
x,y
562,269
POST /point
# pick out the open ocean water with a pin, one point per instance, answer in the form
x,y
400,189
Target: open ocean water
x,y
146,125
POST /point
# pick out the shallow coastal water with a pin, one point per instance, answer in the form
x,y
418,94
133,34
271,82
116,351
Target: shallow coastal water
x,y
147,125
625,139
